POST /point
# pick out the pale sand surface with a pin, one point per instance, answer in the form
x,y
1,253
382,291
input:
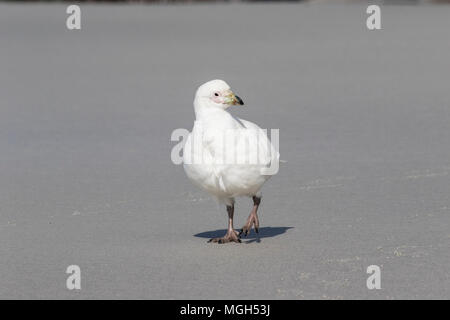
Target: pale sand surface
x,y
86,176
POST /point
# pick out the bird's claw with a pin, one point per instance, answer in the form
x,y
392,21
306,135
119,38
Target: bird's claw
x,y
251,222
233,236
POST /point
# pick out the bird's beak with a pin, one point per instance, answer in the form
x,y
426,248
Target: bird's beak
x,y
233,99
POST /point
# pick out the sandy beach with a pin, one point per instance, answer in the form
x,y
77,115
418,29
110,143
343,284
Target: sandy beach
x,y
86,177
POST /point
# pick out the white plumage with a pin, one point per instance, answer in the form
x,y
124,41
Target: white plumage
x,y
224,155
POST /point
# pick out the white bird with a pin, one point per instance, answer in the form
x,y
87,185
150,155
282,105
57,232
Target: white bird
x,y
227,156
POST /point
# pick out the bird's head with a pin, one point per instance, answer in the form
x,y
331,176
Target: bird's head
x,y
216,94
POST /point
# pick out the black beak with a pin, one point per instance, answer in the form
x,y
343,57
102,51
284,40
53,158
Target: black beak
x,y
239,100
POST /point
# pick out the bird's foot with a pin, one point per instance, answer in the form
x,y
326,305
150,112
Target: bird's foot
x,y
252,221
231,236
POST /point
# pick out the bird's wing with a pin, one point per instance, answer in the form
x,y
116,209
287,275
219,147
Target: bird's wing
x,y
266,150
244,141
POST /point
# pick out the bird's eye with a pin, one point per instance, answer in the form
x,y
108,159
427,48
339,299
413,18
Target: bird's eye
x,y
216,94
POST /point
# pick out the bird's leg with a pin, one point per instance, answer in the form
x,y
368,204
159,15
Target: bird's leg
x,y
231,235
252,218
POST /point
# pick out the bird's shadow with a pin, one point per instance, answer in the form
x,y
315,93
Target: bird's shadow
x,y
265,232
